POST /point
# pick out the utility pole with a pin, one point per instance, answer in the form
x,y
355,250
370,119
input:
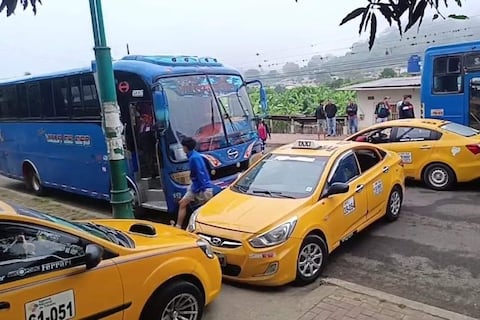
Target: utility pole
x,y
121,198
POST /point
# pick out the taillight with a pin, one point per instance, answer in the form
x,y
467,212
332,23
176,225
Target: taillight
x,y
474,148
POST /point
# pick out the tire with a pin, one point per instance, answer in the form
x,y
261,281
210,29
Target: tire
x,y
161,306
138,211
32,182
394,205
311,259
439,177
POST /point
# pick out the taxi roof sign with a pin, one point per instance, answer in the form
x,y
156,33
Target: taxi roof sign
x,y
307,144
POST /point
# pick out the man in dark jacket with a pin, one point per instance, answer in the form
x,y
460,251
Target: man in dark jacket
x,y
321,120
331,113
352,110
405,109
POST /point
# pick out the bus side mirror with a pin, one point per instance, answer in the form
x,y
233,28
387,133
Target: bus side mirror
x,y
160,103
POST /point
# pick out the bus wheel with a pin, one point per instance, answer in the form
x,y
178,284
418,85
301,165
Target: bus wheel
x,y
32,181
138,211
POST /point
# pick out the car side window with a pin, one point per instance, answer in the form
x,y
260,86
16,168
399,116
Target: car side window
x,y
376,136
367,158
346,171
408,134
28,250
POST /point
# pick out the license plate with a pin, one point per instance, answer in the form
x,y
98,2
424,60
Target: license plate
x,y
222,259
60,306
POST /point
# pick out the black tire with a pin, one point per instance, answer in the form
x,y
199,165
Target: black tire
x,y
159,304
394,205
439,177
308,274
138,211
32,182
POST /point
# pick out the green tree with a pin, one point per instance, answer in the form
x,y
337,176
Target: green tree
x,y
388,73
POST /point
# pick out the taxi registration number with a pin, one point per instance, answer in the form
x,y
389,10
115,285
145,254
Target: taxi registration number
x,y
60,306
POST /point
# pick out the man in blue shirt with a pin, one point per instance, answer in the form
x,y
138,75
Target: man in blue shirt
x,y
201,188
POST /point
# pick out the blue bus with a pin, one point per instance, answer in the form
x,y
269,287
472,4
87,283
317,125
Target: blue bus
x,y
451,83
51,128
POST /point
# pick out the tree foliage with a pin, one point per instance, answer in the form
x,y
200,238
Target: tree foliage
x,y
388,73
301,100
11,5
394,10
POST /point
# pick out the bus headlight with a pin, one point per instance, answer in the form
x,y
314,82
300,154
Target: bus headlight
x,y
275,236
181,178
192,223
206,248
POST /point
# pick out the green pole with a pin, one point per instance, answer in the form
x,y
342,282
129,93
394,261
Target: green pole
x,y
121,198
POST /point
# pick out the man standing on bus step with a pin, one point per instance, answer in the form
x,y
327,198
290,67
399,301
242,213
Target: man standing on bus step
x,y
331,113
321,120
201,188
382,110
405,109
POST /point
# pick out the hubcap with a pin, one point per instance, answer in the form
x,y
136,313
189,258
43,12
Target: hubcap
x,y
310,260
438,177
182,307
395,203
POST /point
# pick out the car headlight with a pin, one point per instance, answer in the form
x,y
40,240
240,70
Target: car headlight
x,y
275,236
206,248
192,222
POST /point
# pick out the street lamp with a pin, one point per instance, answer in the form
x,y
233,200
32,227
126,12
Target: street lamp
x,y
121,198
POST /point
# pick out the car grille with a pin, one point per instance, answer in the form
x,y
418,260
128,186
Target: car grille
x,y
231,270
221,242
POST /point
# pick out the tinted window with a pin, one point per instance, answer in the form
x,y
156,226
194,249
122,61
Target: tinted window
x,y
8,101
34,101
75,97
346,170
460,129
22,105
447,75
47,98
367,158
26,251
405,134
90,100
282,175
60,97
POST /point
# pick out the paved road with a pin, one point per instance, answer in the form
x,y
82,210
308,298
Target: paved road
x,y
431,254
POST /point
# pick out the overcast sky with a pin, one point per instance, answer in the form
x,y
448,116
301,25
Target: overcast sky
x,y
60,36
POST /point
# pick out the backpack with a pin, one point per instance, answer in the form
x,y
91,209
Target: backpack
x,y
383,111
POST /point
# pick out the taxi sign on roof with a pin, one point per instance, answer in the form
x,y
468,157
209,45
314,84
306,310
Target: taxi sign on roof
x,y
307,144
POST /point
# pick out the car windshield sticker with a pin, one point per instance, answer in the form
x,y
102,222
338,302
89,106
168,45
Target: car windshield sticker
x,y
349,206
58,306
455,151
378,187
308,189
406,157
288,158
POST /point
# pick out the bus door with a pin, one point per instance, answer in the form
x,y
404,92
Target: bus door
x,y
472,96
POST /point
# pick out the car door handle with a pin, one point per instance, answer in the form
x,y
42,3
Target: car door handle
x,y
425,147
359,188
4,305
386,169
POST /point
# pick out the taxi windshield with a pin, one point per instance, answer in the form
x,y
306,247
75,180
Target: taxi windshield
x,y
282,176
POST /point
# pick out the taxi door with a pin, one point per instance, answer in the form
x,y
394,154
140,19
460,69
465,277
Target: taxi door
x,y
347,211
43,277
414,145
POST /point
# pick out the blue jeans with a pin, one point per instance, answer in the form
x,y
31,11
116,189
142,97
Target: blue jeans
x,y
353,125
331,126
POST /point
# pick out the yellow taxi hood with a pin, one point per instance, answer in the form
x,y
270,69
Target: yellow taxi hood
x,y
247,213
147,234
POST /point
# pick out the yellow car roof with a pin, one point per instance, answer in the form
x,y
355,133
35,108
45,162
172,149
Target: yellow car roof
x,y
319,148
426,123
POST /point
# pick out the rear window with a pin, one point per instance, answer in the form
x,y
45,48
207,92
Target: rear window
x,y
460,129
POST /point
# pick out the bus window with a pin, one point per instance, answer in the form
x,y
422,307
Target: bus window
x,y
472,61
447,75
8,100
34,101
60,96
75,97
22,102
91,103
47,99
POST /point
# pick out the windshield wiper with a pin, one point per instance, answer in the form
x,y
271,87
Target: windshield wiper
x,y
273,194
241,187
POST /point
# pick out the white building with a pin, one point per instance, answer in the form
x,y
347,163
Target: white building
x,y
373,92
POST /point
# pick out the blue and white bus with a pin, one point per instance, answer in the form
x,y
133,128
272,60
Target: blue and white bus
x,y
51,131
451,83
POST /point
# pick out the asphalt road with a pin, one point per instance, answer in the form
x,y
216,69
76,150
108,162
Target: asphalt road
x,y
431,255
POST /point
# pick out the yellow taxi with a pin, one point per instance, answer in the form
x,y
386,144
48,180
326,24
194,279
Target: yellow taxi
x,y
279,221
439,153
52,268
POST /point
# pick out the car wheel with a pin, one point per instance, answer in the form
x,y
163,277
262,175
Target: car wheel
x,y
439,177
177,300
311,259
32,182
394,205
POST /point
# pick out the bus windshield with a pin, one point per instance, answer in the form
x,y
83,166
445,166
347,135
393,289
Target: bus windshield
x,y
211,109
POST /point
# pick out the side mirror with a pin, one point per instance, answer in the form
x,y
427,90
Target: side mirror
x,y
160,103
93,256
336,188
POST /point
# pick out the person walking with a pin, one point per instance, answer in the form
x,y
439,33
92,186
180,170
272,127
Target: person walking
x,y
321,120
382,110
352,115
263,133
331,113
